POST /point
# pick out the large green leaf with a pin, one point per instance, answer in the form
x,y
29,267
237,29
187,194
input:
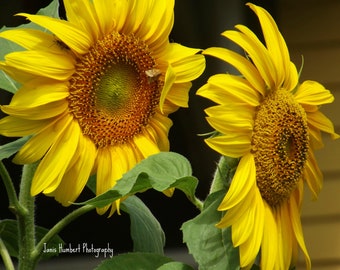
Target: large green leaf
x,y
160,171
211,247
146,232
134,261
52,10
142,261
175,266
9,235
6,82
11,148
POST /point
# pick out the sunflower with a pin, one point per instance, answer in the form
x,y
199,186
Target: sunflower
x,y
272,123
96,91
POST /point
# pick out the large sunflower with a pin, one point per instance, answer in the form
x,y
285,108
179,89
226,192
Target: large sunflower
x,y
272,123
96,91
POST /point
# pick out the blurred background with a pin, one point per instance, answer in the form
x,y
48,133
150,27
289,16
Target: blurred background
x,y
311,29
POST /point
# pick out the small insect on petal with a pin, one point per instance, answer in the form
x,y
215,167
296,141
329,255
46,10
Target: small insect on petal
x,y
61,44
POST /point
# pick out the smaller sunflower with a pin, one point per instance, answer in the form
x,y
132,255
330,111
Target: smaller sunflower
x,y
96,91
272,123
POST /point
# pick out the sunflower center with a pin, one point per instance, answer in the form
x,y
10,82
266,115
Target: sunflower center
x,y
279,145
111,95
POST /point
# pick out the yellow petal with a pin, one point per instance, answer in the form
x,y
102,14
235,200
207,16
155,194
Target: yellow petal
x,y
313,174
179,94
16,127
119,11
285,237
36,147
152,21
145,146
292,78
106,16
159,21
233,144
45,111
313,93
176,52
232,118
319,120
275,43
243,181
315,137
18,75
139,15
32,39
183,63
241,228
238,211
250,248
227,88
42,63
77,175
169,80
104,174
169,192
297,229
82,14
188,68
39,92
115,206
245,67
112,164
257,52
52,167
73,37
160,125
269,247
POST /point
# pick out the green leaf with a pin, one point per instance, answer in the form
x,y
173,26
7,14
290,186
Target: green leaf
x,y
146,232
175,266
9,235
7,83
211,247
11,148
52,10
161,171
134,261
6,46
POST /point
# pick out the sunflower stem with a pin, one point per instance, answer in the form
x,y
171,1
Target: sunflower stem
x,y
14,205
58,227
224,172
25,216
198,203
6,258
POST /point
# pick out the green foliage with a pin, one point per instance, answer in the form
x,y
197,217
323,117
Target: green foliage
x,y
142,261
162,171
175,266
9,234
211,247
146,232
52,10
6,82
11,148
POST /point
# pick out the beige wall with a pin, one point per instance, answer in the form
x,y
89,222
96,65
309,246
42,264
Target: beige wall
x,y
312,29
